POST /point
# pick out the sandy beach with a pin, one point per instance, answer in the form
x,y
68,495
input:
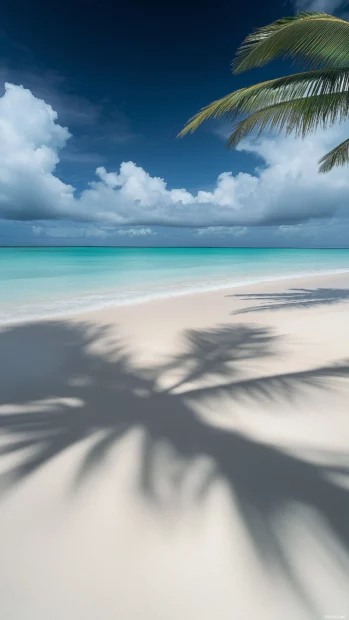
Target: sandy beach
x,y
180,459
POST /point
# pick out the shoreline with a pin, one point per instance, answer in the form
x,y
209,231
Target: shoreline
x,y
105,307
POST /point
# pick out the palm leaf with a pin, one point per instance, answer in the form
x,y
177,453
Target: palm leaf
x,y
298,103
301,116
339,156
316,39
252,98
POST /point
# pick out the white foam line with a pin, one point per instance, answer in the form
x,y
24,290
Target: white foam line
x,y
102,305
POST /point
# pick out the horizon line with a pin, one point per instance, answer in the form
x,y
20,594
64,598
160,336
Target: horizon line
x,y
177,247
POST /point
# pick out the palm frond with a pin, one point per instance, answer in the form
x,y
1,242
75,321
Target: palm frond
x,y
316,39
282,384
339,156
301,116
298,103
252,98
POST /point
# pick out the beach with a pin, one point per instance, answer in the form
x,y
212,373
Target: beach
x,y
179,458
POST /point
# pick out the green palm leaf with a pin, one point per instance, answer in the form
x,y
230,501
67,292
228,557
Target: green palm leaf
x,y
252,98
301,116
339,156
316,39
298,103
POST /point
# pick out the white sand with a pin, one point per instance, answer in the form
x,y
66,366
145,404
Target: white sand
x,y
149,472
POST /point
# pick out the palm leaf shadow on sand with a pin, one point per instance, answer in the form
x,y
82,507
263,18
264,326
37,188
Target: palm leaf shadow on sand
x,y
56,389
292,298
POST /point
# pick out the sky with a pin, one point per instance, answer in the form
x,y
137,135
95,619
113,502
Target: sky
x,y
92,97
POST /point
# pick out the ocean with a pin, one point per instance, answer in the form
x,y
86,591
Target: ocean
x,y
44,282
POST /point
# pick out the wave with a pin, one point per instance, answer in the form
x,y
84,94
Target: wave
x,y
109,299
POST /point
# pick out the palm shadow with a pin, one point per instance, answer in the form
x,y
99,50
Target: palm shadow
x,y
57,388
293,298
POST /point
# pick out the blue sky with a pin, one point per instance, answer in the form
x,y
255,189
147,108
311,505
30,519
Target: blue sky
x,y
92,98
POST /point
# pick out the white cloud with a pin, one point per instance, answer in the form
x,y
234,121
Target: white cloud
x,y
135,232
70,232
30,140
327,6
37,230
287,189
236,231
89,231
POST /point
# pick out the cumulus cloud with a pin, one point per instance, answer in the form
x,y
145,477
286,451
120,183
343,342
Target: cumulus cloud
x,y
286,188
30,140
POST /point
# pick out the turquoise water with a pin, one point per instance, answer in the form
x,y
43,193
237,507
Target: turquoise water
x,y
37,282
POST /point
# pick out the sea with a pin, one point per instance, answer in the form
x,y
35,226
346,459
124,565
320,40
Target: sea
x,y
53,282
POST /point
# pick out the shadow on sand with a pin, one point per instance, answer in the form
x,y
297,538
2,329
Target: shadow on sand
x,y
293,298
46,367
